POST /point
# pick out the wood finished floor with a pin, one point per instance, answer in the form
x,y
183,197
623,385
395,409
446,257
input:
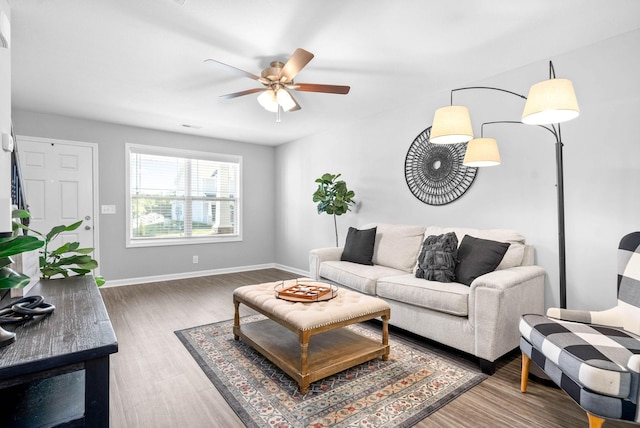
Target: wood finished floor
x,y
155,382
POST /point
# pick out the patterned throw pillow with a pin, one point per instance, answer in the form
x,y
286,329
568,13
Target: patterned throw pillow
x,y
438,256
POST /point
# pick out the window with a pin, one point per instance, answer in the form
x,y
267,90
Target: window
x,y
181,197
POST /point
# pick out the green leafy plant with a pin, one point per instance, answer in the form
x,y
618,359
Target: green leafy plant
x,y
66,260
333,197
11,246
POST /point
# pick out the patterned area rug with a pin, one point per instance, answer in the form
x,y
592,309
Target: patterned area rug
x,y
400,392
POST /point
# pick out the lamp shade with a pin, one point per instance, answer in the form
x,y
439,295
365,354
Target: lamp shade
x,y
268,100
482,152
451,125
550,101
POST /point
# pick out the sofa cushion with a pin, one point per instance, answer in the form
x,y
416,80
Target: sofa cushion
x,y
397,246
437,259
358,247
514,255
451,298
478,256
356,276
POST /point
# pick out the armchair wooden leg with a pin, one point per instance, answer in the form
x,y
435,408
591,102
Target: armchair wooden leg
x,y
524,376
594,421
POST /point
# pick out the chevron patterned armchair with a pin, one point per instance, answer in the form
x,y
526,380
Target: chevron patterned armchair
x,y
593,356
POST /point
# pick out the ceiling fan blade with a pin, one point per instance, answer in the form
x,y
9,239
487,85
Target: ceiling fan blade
x,y
241,93
233,69
314,87
297,62
297,106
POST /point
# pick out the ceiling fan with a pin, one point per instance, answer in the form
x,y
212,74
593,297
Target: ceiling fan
x,y
277,80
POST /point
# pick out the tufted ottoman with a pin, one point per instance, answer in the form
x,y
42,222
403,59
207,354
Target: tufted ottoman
x,y
333,348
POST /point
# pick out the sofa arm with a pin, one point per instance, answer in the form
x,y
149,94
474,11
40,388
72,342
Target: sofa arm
x,y
497,301
610,317
634,363
319,255
570,315
508,278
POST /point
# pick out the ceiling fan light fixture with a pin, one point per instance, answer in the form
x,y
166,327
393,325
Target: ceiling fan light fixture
x,y
451,125
550,101
268,100
277,78
285,100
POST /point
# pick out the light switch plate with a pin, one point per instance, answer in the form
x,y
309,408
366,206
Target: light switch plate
x,y
108,209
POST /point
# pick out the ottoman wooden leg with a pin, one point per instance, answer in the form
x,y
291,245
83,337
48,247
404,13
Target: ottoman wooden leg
x,y
236,319
304,387
304,338
385,335
524,376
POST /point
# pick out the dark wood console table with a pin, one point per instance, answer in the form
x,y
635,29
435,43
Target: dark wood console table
x,y
57,371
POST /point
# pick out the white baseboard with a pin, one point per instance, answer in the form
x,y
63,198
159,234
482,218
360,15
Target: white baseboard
x,y
196,274
302,273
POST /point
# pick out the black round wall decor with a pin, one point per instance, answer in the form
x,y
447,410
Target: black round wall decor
x,y
434,172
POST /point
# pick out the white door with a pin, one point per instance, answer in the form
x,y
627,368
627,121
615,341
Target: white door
x,y
59,187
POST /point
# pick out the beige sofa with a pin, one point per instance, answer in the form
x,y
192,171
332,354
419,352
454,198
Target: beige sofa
x,y
480,319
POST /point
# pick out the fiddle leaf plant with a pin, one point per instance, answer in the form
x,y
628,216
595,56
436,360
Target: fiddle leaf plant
x,y
66,260
333,197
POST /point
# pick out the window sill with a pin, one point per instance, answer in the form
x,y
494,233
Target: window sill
x,y
182,241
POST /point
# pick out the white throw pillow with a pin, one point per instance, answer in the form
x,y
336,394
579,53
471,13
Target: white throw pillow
x,y
397,246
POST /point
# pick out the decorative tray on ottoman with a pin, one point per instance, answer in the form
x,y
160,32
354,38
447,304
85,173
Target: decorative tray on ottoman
x,y
307,291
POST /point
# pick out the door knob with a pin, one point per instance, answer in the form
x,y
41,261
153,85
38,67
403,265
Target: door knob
x,y
87,228
87,217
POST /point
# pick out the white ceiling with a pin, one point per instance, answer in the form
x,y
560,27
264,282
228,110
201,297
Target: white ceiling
x,y
140,62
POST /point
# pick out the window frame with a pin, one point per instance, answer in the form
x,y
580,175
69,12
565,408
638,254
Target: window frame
x,y
131,242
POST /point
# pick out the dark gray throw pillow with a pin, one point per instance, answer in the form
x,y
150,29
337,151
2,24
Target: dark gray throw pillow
x,y
478,256
437,259
358,247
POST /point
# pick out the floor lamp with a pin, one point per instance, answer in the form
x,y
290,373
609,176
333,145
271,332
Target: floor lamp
x,y
549,103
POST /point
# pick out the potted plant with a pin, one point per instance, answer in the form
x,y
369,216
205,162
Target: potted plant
x,y
65,261
333,197
9,278
14,245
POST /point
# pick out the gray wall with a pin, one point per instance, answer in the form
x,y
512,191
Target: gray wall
x,y
602,171
602,167
5,116
118,262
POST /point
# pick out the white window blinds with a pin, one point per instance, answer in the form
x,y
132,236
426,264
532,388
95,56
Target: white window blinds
x,y
176,196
